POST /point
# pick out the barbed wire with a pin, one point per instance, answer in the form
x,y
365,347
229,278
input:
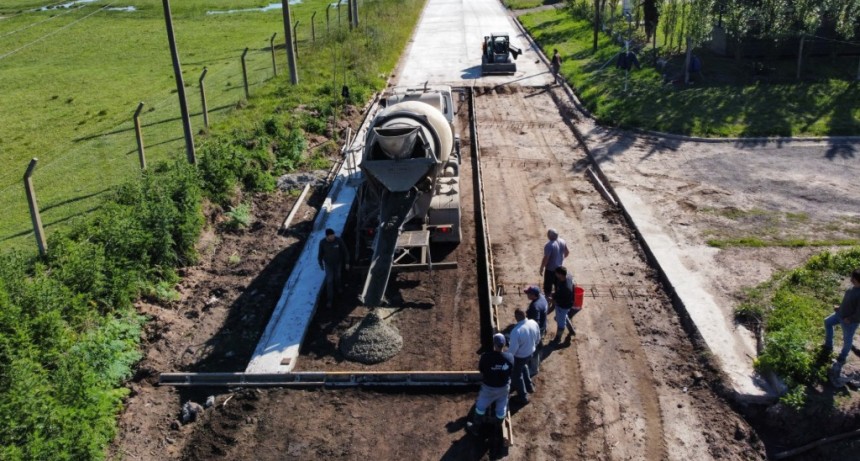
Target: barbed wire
x,y
832,40
23,47
71,10
35,10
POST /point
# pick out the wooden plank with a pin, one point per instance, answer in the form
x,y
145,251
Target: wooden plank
x,y
295,207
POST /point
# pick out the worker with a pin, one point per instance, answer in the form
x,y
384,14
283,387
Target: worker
x,y
554,252
496,367
563,302
536,311
846,315
524,340
332,258
555,65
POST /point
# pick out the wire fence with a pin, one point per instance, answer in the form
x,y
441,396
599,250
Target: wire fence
x,y
72,179
72,182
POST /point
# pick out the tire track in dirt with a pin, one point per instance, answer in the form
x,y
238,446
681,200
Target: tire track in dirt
x,y
621,402
624,394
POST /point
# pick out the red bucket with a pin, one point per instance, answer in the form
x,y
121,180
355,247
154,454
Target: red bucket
x,y
578,295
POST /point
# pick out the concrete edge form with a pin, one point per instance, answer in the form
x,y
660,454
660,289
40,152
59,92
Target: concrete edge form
x,y
448,379
278,348
765,386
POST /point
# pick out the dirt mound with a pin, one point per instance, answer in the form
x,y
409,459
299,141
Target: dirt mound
x,y
372,340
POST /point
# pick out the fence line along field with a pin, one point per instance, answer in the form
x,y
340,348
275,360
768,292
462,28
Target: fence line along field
x,y
74,73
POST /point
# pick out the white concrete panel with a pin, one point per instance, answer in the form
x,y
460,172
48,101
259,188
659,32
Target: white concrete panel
x,y
446,47
278,348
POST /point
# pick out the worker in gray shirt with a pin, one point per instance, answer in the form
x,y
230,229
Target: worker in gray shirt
x,y
846,315
333,257
554,252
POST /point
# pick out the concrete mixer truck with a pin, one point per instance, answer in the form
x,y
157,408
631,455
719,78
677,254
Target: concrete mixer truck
x,y
411,192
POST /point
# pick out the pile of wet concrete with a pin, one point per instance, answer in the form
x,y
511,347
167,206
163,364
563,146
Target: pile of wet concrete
x,y
370,341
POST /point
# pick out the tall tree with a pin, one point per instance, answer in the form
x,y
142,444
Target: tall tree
x,y
698,26
738,16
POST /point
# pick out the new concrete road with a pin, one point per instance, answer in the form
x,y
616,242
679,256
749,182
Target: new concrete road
x,y
446,47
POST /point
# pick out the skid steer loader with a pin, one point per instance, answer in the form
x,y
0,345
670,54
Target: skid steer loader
x,y
499,55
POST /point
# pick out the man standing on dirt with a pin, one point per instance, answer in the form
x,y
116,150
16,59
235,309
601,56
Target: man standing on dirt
x,y
524,339
332,257
563,302
555,65
847,315
536,311
496,368
554,252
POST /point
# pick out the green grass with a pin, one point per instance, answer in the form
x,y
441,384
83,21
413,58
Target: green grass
x,y
730,103
791,307
69,99
526,4
69,332
756,242
757,228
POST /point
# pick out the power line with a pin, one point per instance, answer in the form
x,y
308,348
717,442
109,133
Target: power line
x,y
4,56
71,10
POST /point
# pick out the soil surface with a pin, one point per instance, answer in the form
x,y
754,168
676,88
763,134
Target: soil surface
x,y
798,198
630,385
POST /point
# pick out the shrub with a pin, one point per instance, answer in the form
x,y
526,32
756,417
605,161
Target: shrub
x,y
239,217
793,327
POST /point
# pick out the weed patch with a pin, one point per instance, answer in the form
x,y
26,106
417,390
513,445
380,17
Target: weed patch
x,y
792,307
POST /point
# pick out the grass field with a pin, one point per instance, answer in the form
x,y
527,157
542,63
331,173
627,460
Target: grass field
x,y
72,79
729,102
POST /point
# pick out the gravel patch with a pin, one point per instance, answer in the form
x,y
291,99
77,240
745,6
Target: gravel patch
x,y
298,180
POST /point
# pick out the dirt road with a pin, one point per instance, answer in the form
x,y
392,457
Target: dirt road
x,y
630,385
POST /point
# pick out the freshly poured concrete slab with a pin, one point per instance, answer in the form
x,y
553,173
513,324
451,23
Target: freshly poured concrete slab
x,y
278,348
732,345
446,47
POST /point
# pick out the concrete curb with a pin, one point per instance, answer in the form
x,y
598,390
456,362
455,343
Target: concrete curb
x,y
761,140
677,302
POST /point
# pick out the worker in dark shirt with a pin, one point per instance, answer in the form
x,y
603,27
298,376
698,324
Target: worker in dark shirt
x,y
332,258
496,367
537,311
562,299
846,315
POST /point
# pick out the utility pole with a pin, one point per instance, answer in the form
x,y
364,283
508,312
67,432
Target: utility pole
x,y
180,85
291,58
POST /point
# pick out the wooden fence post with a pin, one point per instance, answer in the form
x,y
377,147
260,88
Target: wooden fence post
x,y
800,57
326,18
203,98
313,28
272,47
245,74
139,135
296,38
34,209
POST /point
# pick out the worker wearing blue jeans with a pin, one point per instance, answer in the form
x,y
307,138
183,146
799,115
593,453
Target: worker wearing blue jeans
x,y
846,315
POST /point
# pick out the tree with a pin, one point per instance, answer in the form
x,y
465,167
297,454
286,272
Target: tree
x,y
697,29
652,17
738,16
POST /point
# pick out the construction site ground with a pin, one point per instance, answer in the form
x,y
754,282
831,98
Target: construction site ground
x,y
630,385
633,383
